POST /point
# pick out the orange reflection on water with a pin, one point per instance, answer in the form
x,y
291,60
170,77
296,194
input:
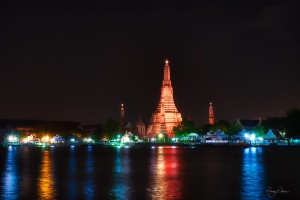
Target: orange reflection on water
x,y
166,182
46,180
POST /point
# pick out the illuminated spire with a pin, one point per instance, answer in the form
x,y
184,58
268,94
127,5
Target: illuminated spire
x,y
122,114
166,116
167,76
211,119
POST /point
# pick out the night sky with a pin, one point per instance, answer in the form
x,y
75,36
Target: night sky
x,y
78,61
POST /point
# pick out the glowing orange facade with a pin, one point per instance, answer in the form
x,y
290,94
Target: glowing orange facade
x,y
211,118
166,115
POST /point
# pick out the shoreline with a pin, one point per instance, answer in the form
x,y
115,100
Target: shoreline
x,y
151,145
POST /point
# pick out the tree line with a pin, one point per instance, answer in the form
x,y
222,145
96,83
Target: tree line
x,y
290,124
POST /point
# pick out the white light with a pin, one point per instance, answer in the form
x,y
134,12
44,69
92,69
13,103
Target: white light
x,y
246,135
153,147
10,138
260,138
252,136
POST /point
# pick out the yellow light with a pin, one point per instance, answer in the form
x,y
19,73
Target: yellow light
x,y
46,138
25,140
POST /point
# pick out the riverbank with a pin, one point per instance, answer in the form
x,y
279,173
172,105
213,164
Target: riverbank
x,y
244,145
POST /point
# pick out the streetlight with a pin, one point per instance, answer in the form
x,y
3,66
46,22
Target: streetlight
x,y
160,136
12,138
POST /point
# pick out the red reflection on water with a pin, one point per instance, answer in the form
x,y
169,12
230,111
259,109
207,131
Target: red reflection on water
x,y
166,183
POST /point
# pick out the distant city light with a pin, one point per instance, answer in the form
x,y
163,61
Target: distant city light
x,y
252,137
88,140
45,138
12,138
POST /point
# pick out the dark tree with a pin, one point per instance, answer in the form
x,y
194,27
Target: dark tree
x,y
111,129
185,127
293,123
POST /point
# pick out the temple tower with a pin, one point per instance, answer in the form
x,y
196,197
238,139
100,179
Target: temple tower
x,y
166,115
141,129
122,115
211,119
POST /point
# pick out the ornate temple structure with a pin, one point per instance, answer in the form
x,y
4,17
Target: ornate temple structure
x,y
166,115
211,118
140,129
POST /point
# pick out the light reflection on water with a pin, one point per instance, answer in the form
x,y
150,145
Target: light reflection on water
x,y
166,183
10,179
253,184
47,188
141,173
72,190
88,185
121,187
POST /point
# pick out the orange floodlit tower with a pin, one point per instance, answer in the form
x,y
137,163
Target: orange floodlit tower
x,y
211,119
166,115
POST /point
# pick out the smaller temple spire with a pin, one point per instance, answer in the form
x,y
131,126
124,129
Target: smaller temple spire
x,y
122,114
211,118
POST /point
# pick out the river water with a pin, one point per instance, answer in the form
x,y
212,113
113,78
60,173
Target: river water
x,y
94,172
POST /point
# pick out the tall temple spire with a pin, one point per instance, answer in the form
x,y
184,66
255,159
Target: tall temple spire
x,y
211,118
166,115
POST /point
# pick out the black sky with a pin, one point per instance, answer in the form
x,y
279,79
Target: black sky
x,y
78,61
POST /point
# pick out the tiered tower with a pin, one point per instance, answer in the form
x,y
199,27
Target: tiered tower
x,y
166,115
122,115
211,118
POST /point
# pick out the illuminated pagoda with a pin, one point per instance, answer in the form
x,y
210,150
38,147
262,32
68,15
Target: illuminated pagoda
x,y
166,115
211,118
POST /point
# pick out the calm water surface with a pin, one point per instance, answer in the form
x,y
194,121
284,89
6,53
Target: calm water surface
x,y
94,172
